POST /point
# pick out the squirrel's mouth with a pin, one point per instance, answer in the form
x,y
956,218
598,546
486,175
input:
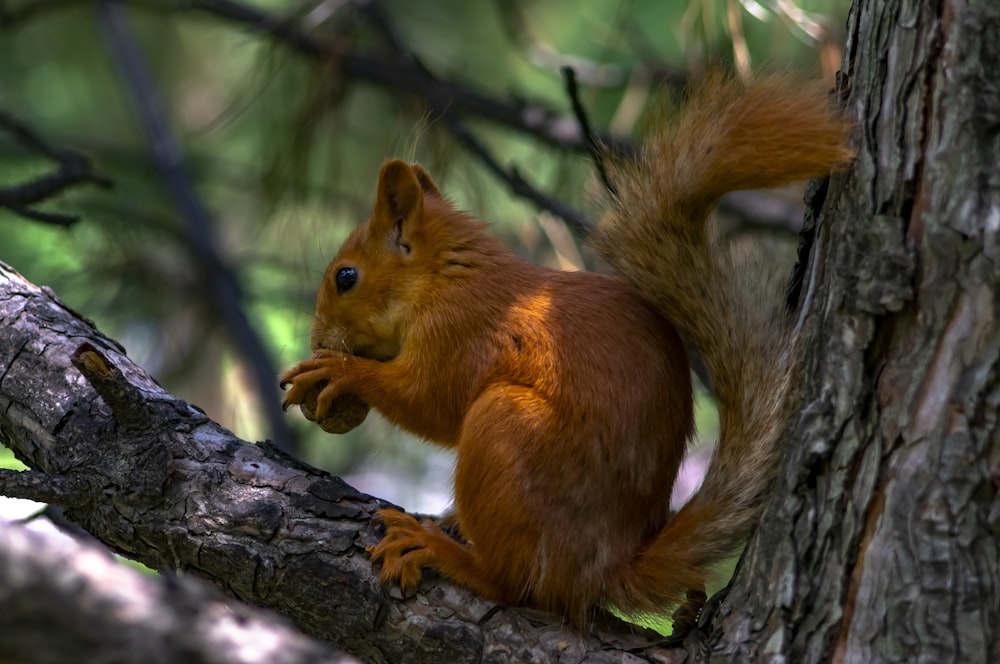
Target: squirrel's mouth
x,y
369,353
374,348
376,356
380,352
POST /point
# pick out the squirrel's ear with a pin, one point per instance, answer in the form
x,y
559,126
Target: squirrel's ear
x,y
400,196
426,183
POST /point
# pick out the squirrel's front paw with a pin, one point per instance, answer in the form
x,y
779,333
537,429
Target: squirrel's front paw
x,y
402,551
315,389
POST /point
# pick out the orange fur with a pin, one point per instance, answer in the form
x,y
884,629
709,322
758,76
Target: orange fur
x,y
567,396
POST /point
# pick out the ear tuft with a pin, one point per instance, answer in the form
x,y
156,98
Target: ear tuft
x,y
400,196
425,180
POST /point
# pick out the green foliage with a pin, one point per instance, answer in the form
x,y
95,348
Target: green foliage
x,y
8,461
283,149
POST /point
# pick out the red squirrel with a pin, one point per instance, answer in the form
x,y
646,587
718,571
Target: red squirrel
x,y
567,396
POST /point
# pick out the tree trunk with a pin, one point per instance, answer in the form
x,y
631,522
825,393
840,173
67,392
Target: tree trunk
x,y
881,543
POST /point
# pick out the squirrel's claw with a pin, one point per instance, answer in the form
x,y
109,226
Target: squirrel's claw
x,y
301,384
288,377
402,551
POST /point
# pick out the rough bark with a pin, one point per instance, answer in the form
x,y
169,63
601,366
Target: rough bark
x,y
882,541
156,480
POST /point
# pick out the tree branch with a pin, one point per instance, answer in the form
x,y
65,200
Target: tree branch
x,y
40,487
97,610
179,492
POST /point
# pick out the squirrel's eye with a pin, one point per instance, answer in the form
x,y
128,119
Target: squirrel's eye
x,y
346,278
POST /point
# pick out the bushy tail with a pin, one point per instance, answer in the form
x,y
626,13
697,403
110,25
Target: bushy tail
x,y
729,136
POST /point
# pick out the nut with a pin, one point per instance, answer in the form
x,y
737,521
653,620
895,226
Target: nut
x,y
345,413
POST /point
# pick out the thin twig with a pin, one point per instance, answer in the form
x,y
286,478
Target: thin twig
x,y
515,180
54,218
593,145
512,177
74,168
11,16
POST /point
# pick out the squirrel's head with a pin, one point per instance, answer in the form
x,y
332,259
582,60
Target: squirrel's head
x,y
370,288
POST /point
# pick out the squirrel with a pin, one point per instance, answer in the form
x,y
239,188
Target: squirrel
x,y
567,395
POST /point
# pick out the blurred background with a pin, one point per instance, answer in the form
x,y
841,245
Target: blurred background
x,y
182,172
